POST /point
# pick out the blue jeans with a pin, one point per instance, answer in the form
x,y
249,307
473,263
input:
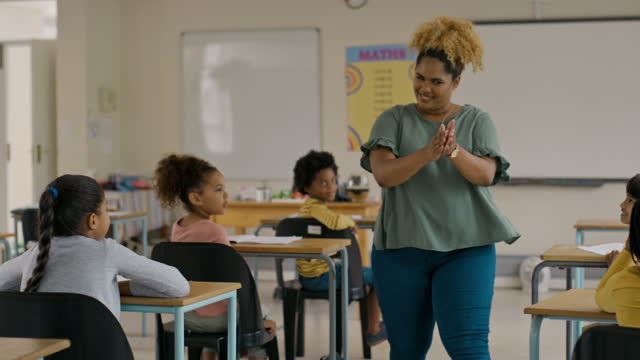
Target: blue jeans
x,y
321,283
419,288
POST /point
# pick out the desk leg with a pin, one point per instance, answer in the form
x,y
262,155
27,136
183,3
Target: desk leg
x,y
145,241
363,244
345,303
573,328
231,327
178,334
332,308
534,282
579,271
534,337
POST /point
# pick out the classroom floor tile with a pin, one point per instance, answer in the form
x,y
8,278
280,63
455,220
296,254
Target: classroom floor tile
x,y
509,339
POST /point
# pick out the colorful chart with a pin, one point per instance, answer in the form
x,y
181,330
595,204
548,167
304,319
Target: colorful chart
x,y
376,79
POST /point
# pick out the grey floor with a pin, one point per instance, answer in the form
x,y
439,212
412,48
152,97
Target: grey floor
x,y
509,337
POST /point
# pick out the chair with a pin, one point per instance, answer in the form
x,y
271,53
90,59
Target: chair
x,y
294,296
93,330
608,342
219,263
29,220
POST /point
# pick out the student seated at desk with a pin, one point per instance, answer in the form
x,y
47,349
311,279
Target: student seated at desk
x,y
315,174
619,289
73,256
200,188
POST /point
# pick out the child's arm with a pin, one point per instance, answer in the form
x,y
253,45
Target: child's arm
x,y
11,272
604,292
330,219
147,277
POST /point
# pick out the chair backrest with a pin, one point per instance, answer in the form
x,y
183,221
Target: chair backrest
x,y
219,263
312,228
93,330
608,342
29,219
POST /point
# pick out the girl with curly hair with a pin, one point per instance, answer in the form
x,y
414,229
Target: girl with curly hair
x,y
436,230
200,188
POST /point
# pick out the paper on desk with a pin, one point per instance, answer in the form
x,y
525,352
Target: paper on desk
x,y
118,213
356,217
273,240
241,238
603,249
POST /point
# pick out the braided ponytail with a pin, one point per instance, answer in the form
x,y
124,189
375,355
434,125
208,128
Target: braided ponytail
x,y
45,233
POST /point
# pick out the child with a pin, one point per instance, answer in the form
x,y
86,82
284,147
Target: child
x,y
315,174
619,289
200,188
73,256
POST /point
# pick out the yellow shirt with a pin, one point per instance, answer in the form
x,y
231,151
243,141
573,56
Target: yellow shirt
x,y
314,208
619,291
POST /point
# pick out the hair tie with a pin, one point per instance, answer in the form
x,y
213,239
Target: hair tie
x,y
54,191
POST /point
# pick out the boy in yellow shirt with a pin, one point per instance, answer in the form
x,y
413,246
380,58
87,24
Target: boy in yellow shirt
x,y
315,175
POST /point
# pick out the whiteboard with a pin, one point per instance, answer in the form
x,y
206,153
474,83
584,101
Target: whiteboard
x,y
251,100
564,96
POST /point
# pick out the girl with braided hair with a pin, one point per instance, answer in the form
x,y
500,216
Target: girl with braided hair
x,y
73,255
436,230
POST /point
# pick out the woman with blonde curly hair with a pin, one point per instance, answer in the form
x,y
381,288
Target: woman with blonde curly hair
x,y
434,254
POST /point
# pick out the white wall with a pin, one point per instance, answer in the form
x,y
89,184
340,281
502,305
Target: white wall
x,y
20,23
88,58
149,47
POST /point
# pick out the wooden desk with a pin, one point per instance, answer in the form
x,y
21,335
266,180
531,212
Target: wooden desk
x,y
585,225
201,294
571,253
314,249
573,305
365,222
31,349
600,224
243,214
568,256
305,246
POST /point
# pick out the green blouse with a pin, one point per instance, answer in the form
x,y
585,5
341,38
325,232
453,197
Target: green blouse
x,y
438,209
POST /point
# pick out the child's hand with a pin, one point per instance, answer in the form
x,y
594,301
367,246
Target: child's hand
x,y
355,229
270,326
611,257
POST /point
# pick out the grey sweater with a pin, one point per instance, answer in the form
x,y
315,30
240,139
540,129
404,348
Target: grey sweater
x,y
82,265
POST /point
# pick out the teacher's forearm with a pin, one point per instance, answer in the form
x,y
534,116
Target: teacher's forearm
x,y
391,171
477,170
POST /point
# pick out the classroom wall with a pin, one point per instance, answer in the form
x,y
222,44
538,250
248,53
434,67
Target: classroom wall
x,y
20,23
150,88
88,59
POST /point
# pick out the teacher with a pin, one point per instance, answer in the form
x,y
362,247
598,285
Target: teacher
x,y
434,254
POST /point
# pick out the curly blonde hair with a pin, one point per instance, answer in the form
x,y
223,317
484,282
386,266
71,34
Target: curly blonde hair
x,y
455,37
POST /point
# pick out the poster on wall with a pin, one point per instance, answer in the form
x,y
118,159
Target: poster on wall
x,y
377,78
